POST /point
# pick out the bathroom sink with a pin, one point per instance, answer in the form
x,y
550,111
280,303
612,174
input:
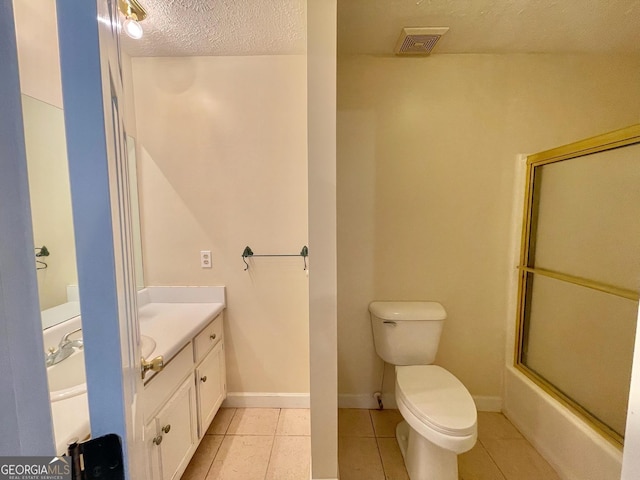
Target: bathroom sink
x,y
67,378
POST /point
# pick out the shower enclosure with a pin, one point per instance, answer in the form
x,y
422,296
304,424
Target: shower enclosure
x,y
580,276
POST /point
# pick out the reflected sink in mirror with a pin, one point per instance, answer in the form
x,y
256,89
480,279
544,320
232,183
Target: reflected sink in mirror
x,y
67,378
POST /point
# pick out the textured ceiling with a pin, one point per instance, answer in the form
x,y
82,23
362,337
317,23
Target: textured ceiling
x,y
220,27
494,26
278,27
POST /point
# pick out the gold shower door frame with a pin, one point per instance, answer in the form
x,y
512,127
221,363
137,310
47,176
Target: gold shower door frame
x,y
609,141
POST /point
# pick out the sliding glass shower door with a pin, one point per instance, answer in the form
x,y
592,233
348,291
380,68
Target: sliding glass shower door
x,y
580,275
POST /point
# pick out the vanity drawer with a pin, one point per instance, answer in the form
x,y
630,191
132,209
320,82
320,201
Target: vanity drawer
x,y
207,338
159,387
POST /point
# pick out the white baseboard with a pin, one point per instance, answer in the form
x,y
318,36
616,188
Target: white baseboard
x,y
488,404
301,400
266,400
483,403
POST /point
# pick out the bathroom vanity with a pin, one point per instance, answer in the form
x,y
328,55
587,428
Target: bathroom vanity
x,y
180,402
185,326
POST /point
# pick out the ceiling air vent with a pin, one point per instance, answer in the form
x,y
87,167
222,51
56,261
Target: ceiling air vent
x,y
419,40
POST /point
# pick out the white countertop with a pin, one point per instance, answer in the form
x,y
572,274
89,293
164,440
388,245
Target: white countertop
x,y
173,325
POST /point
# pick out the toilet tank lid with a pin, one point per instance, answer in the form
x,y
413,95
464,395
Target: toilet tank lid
x,y
408,310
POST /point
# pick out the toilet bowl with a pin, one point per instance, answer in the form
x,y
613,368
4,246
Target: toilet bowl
x,y
440,418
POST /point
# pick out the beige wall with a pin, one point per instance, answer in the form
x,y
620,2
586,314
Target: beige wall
x,y
426,161
38,53
223,165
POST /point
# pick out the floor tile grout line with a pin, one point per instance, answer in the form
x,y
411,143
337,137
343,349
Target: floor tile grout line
x,y
273,442
275,432
213,459
375,436
373,428
504,476
384,470
235,411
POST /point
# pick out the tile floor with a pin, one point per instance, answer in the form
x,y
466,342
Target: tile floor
x,y
367,449
274,444
254,444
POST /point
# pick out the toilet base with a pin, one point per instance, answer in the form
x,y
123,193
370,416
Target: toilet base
x,y
423,459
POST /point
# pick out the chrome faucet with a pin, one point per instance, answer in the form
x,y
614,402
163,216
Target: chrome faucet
x,y
65,348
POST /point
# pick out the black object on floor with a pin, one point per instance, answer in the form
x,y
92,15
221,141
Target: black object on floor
x,y
97,459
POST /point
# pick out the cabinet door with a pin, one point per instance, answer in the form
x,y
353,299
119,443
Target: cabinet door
x,y
152,450
176,424
211,380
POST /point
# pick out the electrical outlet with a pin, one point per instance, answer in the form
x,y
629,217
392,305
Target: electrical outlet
x,y
205,259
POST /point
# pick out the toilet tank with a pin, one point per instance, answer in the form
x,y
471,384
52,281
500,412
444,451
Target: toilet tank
x,y
407,333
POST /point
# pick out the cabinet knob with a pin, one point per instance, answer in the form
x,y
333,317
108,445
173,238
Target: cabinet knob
x,y
157,440
166,428
203,379
213,336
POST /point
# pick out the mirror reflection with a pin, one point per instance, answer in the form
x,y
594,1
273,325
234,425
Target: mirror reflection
x,y
46,151
55,253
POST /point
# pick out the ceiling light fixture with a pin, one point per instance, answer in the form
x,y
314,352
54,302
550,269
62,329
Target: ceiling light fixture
x,y
134,13
132,27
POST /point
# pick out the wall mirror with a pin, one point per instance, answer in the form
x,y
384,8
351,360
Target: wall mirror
x,y
55,253
51,214
580,275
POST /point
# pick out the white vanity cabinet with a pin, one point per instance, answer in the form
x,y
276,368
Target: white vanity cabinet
x,y
180,402
211,387
173,433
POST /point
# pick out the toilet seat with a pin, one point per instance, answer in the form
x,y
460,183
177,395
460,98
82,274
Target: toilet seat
x,y
437,405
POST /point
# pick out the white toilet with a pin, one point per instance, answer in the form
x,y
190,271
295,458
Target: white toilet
x,y
440,415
